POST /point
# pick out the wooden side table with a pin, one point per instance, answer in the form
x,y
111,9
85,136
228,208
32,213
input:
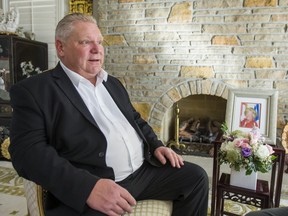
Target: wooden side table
x,y
266,195
259,198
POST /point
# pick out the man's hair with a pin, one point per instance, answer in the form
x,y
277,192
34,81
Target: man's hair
x,y
66,24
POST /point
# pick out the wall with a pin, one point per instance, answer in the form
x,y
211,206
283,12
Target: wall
x,y
41,18
165,50
162,49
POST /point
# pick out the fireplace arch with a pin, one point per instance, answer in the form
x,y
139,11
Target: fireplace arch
x,y
161,116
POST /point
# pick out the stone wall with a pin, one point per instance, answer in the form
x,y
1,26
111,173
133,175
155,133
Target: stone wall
x,y
165,50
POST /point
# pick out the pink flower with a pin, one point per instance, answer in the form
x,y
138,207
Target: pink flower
x,y
270,149
242,143
256,131
246,145
255,134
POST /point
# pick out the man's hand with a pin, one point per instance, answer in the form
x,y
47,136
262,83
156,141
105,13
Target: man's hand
x,y
110,198
163,153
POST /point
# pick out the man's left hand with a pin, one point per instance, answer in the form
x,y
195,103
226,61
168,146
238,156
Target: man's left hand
x,y
164,153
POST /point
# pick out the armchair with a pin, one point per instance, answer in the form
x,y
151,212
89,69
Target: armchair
x,y
35,196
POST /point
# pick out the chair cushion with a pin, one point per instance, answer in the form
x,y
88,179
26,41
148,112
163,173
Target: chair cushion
x,y
152,208
34,196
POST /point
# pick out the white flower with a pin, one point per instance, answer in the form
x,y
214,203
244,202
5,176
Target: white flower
x,y
232,154
262,152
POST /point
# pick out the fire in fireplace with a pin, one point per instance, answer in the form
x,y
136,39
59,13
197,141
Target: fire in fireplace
x,y
197,123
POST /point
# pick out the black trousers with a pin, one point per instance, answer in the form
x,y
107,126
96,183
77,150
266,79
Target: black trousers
x,y
187,187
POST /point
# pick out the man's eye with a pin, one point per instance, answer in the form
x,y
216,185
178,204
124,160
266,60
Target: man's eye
x,y
85,42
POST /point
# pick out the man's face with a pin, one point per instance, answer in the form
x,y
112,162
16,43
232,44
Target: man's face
x,y
83,51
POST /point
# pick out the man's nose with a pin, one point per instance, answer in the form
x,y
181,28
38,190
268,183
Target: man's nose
x,y
95,47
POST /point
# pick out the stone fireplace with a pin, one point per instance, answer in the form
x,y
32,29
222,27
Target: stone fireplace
x,y
195,116
201,98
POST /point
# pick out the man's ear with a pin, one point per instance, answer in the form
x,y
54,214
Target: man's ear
x,y
59,47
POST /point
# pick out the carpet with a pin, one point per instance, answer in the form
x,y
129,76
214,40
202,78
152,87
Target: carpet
x,y
12,198
13,202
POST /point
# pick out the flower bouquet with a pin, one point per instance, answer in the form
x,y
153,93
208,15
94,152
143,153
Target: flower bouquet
x,y
246,150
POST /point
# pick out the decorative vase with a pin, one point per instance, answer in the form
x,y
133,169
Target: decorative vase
x,y
240,179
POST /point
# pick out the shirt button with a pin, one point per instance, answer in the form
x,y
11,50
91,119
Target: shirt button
x,y
101,154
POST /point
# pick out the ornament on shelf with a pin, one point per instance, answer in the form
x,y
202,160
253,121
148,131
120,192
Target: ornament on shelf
x,y
9,21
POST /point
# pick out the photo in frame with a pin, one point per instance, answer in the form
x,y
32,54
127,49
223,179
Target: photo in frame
x,y
247,108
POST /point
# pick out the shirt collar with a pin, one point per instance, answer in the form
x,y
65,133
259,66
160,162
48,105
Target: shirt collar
x,y
76,78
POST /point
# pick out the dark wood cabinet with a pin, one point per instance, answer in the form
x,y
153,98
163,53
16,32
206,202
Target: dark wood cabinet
x,y
18,54
19,59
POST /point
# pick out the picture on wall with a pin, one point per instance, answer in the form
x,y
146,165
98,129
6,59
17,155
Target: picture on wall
x,y
247,109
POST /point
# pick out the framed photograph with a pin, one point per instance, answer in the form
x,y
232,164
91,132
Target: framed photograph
x,y
247,108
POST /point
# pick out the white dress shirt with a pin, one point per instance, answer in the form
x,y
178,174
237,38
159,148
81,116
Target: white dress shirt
x,y
124,146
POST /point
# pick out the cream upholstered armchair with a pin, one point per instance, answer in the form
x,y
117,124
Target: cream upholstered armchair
x,y
35,195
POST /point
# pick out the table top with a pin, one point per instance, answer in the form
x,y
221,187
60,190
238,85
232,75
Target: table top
x,y
261,188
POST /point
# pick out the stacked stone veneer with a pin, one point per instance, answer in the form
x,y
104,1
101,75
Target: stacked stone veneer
x,y
165,50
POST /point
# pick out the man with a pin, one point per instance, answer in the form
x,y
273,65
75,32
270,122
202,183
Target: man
x,y
75,133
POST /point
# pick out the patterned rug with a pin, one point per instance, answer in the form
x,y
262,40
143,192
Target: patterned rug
x,y
12,199
13,202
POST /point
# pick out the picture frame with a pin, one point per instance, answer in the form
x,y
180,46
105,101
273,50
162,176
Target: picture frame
x,y
253,107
